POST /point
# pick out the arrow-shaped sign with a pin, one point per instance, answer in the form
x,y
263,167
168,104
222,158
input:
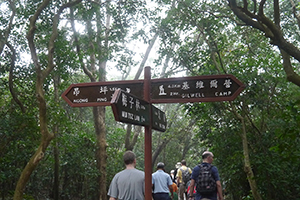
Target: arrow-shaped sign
x,y
196,89
169,90
99,93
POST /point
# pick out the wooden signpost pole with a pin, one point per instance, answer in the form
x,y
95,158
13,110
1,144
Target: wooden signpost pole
x,y
148,138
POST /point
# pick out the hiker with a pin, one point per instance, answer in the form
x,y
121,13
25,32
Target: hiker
x,y
183,177
177,166
172,176
130,183
175,191
207,180
162,184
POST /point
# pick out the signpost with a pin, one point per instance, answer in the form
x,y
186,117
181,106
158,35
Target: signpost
x,y
133,110
169,90
131,101
195,89
159,120
99,93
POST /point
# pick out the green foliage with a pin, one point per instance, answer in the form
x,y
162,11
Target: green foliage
x,y
200,38
266,104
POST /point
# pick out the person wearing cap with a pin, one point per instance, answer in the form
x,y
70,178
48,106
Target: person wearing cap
x,y
182,185
161,183
128,184
177,166
207,159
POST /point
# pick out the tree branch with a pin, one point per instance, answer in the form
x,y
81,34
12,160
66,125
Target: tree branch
x,y
30,34
287,66
78,50
261,8
242,16
3,39
276,13
295,13
272,31
10,79
54,35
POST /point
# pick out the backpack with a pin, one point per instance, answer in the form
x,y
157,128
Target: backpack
x,y
185,175
206,183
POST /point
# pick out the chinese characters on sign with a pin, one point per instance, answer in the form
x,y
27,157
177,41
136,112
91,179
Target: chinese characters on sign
x,y
131,109
159,120
195,89
171,90
99,93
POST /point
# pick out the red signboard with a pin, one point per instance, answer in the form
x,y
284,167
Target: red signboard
x,y
99,93
169,90
195,89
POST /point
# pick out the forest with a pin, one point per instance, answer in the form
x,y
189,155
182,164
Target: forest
x,y
50,150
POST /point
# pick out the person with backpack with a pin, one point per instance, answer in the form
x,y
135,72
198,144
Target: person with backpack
x,y
177,166
207,180
184,176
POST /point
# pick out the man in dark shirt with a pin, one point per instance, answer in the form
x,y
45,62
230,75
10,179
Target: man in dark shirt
x,y
207,159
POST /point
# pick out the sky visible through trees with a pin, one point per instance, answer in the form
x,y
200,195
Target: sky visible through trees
x,y
49,150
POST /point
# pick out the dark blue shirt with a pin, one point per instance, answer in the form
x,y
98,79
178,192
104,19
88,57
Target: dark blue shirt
x,y
195,175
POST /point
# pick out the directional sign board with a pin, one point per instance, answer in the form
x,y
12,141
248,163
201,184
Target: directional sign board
x,y
195,89
169,90
99,93
133,110
159,120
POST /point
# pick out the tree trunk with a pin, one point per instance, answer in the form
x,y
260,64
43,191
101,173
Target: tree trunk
x,y
46,135
130,143
159,149
45,141
247,163
55,146
41,75
31,165
101,156
56,171
98,112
